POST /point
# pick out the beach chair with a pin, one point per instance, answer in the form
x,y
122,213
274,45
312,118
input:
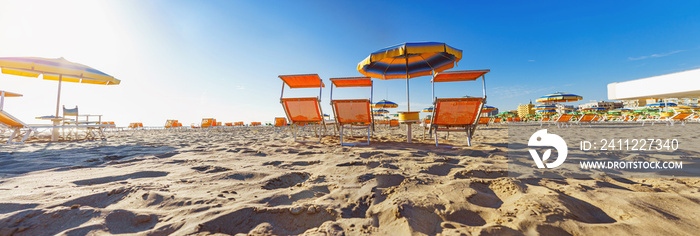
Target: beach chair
x,y
280,124
586,118
484,120
208,123
681,117
305,110
94,129
352,113
457,114
394,123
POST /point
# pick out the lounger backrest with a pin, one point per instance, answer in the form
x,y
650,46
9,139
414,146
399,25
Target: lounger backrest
x,y
565,118
497,120
70,112
169,123
545,119
280,121
457,111
208,122
587,117
681,116
394,123
9,120
484,120
302,109
352,111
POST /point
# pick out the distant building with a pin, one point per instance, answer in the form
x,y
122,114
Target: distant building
x,y
524,110
561,108
603,104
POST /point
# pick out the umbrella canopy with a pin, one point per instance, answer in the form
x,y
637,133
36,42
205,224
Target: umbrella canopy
x,y
620,110
546,112
385,104
559,97
488,109
409,60
594,109
545,107
662,104
55,69
428,109
380,111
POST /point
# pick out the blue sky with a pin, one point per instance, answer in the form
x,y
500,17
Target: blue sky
x,y
188,60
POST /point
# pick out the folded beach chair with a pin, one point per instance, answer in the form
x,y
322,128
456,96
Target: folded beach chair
x,y
352,113
457,114
586,118
280,124
306,110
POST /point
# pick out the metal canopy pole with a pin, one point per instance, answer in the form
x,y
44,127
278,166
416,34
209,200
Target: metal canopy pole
x,y
408,104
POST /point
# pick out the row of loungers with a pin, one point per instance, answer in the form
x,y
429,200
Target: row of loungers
x,y
449,115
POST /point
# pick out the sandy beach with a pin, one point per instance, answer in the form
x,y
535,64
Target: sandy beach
x,y
257,181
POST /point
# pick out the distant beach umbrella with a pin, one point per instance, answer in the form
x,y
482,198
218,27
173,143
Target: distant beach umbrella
x,y
661,105
428,109
545,107
620,110
546,112
380,111
488,109
559,97
385,104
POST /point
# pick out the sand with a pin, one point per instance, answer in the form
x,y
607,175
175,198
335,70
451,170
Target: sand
x,y
258,181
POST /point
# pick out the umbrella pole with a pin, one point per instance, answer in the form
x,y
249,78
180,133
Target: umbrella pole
x,y
54,132
408,106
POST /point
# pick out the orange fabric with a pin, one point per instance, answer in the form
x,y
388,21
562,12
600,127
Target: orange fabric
x,y
565,118
302,81
208,122
587,118
545,119
169,123
465,75
497,120
9,120
229,124
394,123
484,120
280,121
302,109
352,111
255,123
456,111
352,82
681,116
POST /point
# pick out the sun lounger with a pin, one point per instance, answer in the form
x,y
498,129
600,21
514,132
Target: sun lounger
x,y
457,114
352,113
305,110
18,127
484,120
681,117
586,118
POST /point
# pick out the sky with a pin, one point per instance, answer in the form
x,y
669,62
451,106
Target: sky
x,y
189,60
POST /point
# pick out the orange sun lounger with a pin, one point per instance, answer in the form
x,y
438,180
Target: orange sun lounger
x,y
457,114
305,110
353,113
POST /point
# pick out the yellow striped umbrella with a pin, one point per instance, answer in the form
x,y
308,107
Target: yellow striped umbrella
x,y
55,69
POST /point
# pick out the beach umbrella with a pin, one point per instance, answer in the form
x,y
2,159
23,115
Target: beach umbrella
x,y
385,104
488,109
55,69
428,109
620,110
409,60
559,97
380,111
545,107
546,112
661,105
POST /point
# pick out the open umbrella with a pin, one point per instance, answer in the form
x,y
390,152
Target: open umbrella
x,y
409,60
428,109
385,104
545,107
488,109
380,111
559,97
546,112
55,69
